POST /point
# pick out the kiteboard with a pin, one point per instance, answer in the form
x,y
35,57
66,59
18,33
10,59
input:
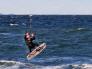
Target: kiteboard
x,y
36,51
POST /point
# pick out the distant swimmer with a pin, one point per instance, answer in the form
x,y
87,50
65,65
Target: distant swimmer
x,y
29,40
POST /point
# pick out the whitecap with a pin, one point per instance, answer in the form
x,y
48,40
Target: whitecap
x,y
5,33
11,24
80,28
5,64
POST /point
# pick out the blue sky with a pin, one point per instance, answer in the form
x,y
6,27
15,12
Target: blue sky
x,y
46,7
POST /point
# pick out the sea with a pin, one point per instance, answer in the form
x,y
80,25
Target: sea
x,y
68,39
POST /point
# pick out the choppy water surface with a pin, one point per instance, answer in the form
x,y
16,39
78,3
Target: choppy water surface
x,y
68,39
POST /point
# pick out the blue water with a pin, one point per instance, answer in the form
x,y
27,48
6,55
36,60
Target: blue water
x,y
68,39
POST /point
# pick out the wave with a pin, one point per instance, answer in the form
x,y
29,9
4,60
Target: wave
x,y
11,24
17,24
77,29
70,66
5,33
5,64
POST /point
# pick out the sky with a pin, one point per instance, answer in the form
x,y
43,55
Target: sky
x,y
53,7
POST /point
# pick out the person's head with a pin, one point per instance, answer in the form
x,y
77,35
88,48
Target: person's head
x,y
27,34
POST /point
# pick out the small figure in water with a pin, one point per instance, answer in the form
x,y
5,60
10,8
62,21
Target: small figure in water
x,y
29,40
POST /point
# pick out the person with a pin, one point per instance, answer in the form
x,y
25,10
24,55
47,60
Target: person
x,y
29,40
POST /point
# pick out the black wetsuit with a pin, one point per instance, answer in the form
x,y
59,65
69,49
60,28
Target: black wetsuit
x,y
30,43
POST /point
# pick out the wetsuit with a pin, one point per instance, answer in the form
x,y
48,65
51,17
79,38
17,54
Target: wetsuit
x,y
30,43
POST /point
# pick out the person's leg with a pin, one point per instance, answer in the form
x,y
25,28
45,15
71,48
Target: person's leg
x,y
34,45
30,49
